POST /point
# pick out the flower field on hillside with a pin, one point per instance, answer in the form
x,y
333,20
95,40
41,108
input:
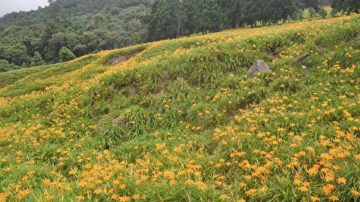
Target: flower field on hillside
x,y
180,120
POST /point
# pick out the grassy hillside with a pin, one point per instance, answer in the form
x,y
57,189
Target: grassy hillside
x,y
180,120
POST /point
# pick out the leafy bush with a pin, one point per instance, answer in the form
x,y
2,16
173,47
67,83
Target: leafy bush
x,y
66,54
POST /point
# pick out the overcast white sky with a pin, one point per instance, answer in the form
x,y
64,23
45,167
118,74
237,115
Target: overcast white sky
x,y
8,6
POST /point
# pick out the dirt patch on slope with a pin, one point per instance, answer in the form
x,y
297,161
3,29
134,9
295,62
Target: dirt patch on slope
x,y
117,59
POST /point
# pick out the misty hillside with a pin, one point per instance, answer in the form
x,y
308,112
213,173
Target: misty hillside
x,y
82,26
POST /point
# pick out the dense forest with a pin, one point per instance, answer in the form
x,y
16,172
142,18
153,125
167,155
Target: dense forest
x,y
70,28
170,19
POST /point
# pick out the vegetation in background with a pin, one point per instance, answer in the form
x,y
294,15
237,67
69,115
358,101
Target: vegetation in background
x,y
347,6
174,18
83,26
180,120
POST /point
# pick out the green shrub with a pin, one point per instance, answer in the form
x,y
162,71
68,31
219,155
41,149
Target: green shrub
x,y
66,54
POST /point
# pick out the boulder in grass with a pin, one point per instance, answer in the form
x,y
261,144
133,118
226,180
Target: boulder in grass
x,y
259,67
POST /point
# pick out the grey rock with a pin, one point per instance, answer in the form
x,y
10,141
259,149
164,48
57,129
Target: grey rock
x,y
259,67
118,122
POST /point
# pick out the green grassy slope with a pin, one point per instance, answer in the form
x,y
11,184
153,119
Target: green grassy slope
x,y
180,120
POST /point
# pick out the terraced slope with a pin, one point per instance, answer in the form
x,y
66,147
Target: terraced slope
x,y
180,120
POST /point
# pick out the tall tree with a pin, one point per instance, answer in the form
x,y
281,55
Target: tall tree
x,y
207,18
187,17
315,4
16,55
165,20
37,59
66,54
347,6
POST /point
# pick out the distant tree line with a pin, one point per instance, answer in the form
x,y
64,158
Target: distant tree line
x,y
174,18
347,6
71,28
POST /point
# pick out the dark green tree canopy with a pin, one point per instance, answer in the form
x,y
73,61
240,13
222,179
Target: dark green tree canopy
x,y
83,26
173,18
87,26
347,6
66,54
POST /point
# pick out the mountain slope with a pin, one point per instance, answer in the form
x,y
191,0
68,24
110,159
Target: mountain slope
x,y
180,120
83,26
